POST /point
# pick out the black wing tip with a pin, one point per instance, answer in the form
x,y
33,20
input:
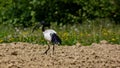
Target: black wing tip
x,y
56,39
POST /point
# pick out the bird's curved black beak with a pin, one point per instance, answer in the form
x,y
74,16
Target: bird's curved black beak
x,y
36,26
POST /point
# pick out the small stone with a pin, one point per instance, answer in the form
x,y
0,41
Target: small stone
x,y
78,44
103,42
93,44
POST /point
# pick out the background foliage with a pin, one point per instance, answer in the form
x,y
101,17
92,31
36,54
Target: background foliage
x,y
80,21
26,12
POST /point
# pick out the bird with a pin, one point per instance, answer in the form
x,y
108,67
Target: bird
x,y
50,35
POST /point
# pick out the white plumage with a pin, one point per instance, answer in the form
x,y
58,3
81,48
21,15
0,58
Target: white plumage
x,y
47,34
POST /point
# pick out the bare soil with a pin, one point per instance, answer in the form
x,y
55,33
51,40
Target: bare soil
x,y
26,55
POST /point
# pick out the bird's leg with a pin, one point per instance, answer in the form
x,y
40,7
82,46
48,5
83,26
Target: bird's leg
x,y
53,48
47,49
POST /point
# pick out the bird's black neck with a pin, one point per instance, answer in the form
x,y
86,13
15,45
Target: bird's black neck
x,y
44,27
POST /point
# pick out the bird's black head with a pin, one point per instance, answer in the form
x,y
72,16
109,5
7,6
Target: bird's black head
x,y
45,24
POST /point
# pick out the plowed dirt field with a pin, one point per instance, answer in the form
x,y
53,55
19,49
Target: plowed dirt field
x,y
26,55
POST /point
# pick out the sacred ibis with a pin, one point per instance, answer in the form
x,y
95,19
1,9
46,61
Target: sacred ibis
x,y
49,34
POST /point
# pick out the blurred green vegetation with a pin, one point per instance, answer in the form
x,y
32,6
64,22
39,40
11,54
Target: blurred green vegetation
x,y
83,21
86,34
25,13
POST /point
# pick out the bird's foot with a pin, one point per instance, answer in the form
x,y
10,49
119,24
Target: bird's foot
x,y
45,52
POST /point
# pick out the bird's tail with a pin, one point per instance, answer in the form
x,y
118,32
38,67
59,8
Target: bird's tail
x,y
55,39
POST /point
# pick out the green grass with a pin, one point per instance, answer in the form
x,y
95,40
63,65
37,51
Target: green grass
x,y
86,33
